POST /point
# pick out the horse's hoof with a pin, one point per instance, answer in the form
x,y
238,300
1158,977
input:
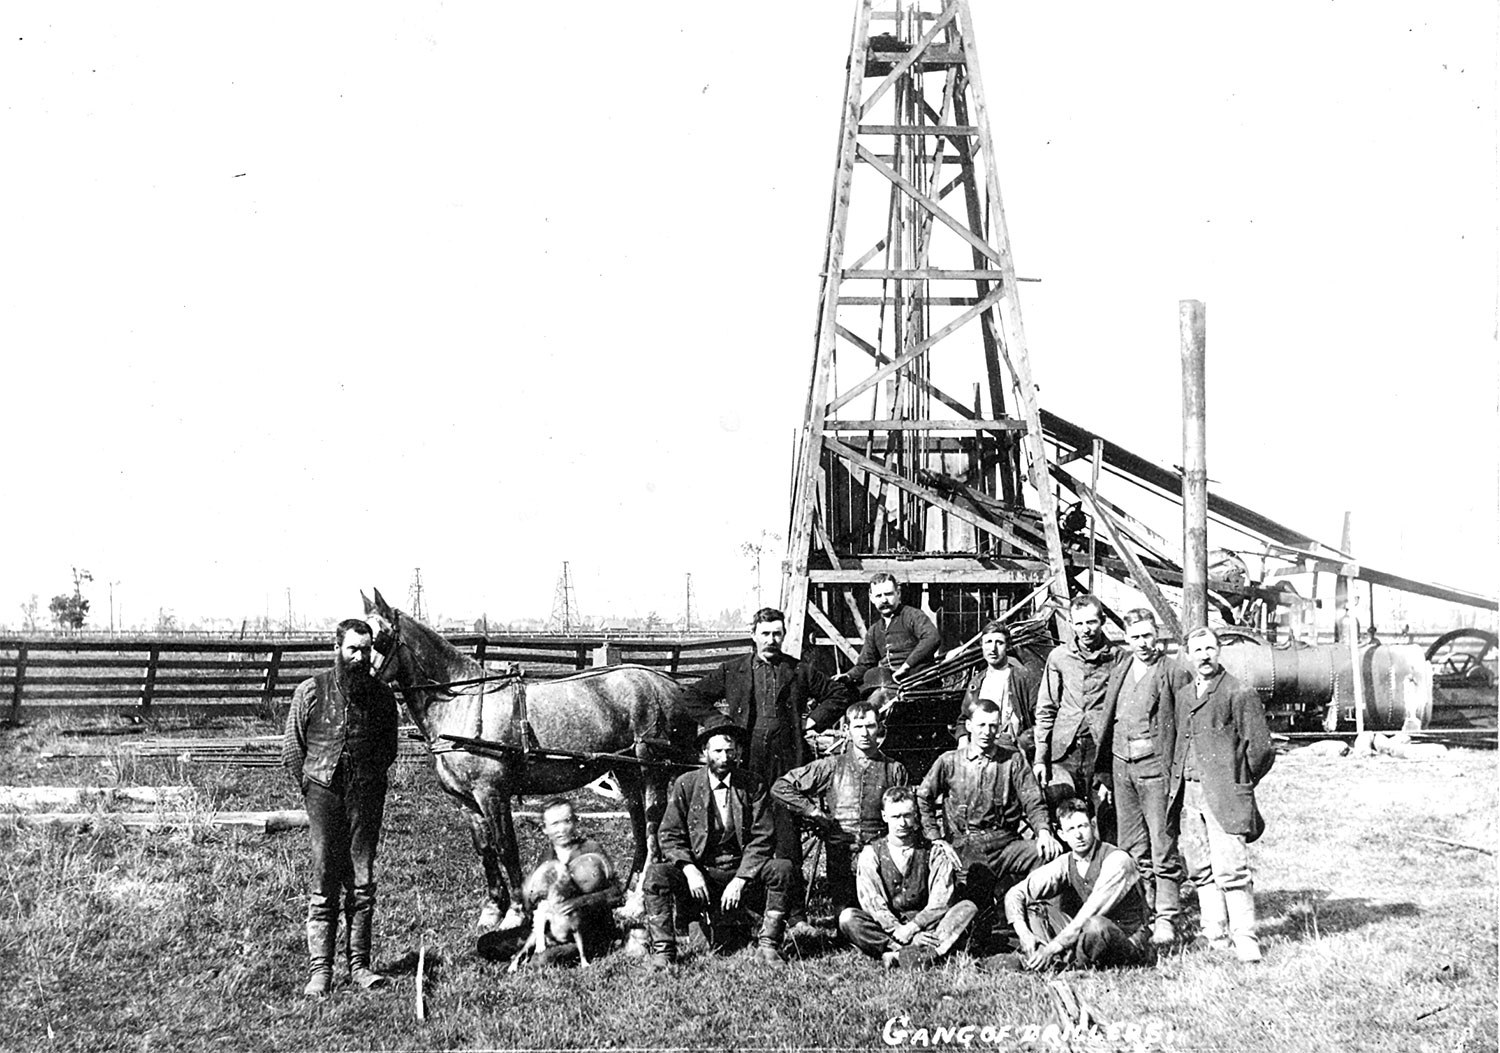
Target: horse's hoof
x,y
489,917
514,919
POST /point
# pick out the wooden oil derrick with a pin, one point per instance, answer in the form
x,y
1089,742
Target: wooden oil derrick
x,y
921,452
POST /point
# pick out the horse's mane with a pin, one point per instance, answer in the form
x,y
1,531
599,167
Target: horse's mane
x,y
455,660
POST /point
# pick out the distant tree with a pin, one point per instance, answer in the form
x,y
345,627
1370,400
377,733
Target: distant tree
x,y
28,612
69,612
166,621
653,621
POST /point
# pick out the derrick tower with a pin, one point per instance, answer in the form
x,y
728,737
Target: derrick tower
x,y
921,450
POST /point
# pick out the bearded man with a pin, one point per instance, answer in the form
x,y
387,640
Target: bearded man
x,y
340,739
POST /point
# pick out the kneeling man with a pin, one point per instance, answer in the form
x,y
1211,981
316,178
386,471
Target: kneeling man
x,y
1085,908
905,915
716,842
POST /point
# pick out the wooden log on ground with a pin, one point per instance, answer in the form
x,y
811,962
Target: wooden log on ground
x,y
264,822
115,797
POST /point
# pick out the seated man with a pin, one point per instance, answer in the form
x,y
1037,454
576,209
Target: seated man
x,y
840,796
592,910
716,842
987,790
901,641
1086,908
905,915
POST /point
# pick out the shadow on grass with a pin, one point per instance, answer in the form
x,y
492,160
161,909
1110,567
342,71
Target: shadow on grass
x,y
1307,913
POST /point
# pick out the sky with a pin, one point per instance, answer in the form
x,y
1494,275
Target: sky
x,y
303,297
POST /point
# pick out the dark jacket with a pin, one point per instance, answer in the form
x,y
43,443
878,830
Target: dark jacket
x,y
324,727
1166,675
1233,749
1070,697
1022,693
911,638
797,685
684,827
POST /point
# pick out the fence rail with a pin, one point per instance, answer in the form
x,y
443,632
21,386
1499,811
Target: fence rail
x,y
169,672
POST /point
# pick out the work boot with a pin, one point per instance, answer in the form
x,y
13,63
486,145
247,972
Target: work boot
x,y
768,940
361,921
320,939
953,926
1213,917
661,941
1163,933
1240,906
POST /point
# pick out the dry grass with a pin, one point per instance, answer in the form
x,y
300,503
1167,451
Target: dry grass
x,y
190,939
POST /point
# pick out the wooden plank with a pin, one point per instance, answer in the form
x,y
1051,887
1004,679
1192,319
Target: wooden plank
x,y
907,61
1028,574
268,689
849,601
19,686
916,350
1138,573
835,637
924,425
931,301
918,129
972,518
927,274
921,382
930,206
149,687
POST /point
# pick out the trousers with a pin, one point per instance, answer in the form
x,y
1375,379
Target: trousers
x,y
1147,832
344,819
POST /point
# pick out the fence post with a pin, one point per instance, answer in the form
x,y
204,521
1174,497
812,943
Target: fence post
x,y
15,700
481,648
273,673
606,654
150,686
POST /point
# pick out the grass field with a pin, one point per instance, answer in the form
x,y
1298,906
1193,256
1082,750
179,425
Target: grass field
x,y
191,939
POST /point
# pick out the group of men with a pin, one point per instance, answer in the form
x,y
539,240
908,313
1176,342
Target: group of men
x,y
1165,750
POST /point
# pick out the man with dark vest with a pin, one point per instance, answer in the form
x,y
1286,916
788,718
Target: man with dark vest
x,y
1135,754
987,791
841,796
1222,751
906,914
340,739
902,640
768,693
1085,908
1070,699
716,841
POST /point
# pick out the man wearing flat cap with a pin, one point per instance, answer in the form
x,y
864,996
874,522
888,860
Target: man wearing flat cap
x,y
716,843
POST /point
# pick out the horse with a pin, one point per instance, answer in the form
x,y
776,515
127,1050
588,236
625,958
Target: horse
x,y
616,720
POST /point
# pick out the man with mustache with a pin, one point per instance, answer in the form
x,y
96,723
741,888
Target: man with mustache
x,y
339,740
901,641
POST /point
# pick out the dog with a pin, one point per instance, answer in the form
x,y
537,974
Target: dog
x,y
548,891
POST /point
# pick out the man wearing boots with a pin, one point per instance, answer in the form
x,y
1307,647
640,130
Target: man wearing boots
x,y
906,914
1070,699
1223,750
340,739
1085,908
840,796
716,842
987,790
1135,751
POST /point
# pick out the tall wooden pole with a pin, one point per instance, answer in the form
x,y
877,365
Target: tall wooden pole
x,y
1190,317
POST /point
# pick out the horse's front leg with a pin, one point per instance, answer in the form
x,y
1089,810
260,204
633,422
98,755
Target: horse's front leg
x,y
498,808
486,846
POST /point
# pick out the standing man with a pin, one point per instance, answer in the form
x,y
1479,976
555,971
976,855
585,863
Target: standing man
x,y
1135,752
901,641
1084,908
906,913
716,840
840,796
767,693
1223,750
340,738
1070,700
987,790
1005,681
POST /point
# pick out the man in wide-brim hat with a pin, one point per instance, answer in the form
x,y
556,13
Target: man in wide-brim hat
x,y
716,841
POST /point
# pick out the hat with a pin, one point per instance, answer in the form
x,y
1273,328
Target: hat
x,y
722,726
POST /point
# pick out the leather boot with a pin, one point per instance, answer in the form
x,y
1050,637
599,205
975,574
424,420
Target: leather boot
x,y
768,940
661,941
953,926
1213,916
320,939
1240,906
361,922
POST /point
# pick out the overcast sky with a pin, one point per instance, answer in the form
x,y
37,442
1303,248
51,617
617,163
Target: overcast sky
x,y
307,296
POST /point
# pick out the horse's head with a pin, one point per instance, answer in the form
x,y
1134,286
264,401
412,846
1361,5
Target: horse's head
x,y
408,652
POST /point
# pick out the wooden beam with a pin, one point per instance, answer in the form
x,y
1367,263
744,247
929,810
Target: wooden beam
x,y
1028,574
906,63
1138,572
1140,533
921,382
826,624
930,206
924,425
943,130
926,274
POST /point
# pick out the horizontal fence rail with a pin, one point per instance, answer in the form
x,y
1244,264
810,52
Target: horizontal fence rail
x,y
256,676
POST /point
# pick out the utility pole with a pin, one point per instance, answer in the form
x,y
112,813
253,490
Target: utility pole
x,y
288,608
687,619
112,606
1191,329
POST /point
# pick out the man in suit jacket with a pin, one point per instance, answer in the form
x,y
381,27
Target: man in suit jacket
x,y
1223,749
1070,699
1138,734
768,694
716,839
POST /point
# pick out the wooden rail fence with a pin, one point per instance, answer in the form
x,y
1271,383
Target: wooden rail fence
x,y
255,676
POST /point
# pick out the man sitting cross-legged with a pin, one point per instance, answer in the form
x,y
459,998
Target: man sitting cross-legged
x,y
1085,908
841,797
716,842
905,915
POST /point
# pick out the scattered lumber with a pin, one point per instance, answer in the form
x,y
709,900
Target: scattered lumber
x,y
263,822
114,797
1402,746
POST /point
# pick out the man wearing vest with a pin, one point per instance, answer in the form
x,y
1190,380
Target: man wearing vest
x,y
340,738
1085,908
1135,753
716,842
902,640
906,914
987,790
1070,700
1223,750
841,797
